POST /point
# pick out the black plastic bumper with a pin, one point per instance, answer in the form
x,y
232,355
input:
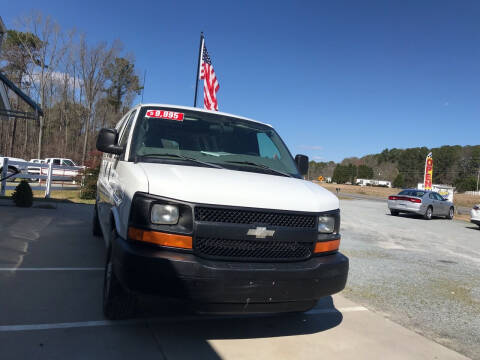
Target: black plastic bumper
x,y
148,270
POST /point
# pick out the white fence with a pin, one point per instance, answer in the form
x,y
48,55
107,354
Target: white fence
x,y
477,193
37,171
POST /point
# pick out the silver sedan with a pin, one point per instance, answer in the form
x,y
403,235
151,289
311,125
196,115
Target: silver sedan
x,y
420,202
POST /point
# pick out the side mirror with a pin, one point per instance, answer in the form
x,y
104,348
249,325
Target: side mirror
x,y
302,163
107,142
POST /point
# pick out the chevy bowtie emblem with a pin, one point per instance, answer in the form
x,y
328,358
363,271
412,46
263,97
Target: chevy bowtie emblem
x,y
260,232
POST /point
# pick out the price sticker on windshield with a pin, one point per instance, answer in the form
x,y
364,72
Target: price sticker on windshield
x,y
164,114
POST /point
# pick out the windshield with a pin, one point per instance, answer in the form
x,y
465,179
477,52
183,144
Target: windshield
x,y
412,193
217,139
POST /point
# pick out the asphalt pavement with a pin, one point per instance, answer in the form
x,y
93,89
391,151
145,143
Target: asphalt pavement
x,y
51,275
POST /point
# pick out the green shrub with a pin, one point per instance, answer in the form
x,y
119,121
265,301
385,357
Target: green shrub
x,y
399,181
466,184
344,173
23,195
88,190
364,172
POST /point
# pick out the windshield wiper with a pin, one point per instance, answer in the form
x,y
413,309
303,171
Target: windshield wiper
x,y
260,166
179,157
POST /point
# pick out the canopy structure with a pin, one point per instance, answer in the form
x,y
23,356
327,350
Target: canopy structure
x,y
5,84
5,110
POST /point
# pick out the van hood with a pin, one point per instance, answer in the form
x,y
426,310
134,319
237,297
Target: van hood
x,y
214,186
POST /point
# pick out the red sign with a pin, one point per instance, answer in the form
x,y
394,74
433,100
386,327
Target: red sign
x,y
428,172
164,114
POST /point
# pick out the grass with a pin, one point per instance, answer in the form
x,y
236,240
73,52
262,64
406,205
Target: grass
x,y
464,217
70,196
466,200
458,199
362,190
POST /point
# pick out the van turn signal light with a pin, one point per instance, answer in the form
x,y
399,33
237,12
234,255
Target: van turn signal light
x,y
160,238
326,246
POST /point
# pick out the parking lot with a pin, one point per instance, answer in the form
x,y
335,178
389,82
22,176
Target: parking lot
x,y
403,271
422,274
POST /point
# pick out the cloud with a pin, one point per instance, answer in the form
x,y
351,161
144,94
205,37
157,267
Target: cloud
x,y
311,147
56,77
59,79
318,158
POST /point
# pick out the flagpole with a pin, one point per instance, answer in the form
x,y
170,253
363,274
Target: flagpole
x,y
198,68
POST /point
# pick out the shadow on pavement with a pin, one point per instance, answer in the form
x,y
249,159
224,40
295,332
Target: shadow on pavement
x,y
189,337
477,228
415,216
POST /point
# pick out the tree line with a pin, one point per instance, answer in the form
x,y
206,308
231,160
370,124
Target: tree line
x,y
453,165
80,85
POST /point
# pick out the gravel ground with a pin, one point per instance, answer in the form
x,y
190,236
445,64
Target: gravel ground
x,y
422,274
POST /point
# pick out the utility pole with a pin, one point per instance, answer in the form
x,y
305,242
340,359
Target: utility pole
x,y
478,177
143,87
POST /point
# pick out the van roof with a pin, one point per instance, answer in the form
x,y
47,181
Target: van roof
x,y
204,111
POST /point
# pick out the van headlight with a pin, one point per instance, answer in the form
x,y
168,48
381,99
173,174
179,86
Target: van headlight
x,y
326,224
164,214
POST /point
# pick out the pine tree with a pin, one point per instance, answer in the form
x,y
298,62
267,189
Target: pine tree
x,y
23,195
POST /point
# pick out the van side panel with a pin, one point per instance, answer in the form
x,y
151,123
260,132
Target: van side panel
x,y
114,197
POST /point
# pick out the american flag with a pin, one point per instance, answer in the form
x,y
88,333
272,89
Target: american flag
x,y
210,83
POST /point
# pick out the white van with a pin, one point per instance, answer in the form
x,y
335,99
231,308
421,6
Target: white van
x,y
211,208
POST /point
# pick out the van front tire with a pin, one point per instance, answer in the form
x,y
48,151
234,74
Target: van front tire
x,y
118,303
96,230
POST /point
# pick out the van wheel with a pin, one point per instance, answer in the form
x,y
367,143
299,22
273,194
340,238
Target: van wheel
x,y
394,212
117,302
428,214
451,212
96,229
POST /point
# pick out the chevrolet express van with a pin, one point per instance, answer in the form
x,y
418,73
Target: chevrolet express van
x,y
211,208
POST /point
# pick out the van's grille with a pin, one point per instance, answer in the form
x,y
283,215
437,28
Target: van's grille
x,y
235,216
265,250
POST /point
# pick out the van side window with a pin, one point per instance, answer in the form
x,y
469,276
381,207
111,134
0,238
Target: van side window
x,y
126,130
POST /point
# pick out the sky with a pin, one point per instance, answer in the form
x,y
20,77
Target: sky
x,y
336,79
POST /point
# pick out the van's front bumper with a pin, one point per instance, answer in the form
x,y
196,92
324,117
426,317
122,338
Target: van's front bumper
x,y
224,286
